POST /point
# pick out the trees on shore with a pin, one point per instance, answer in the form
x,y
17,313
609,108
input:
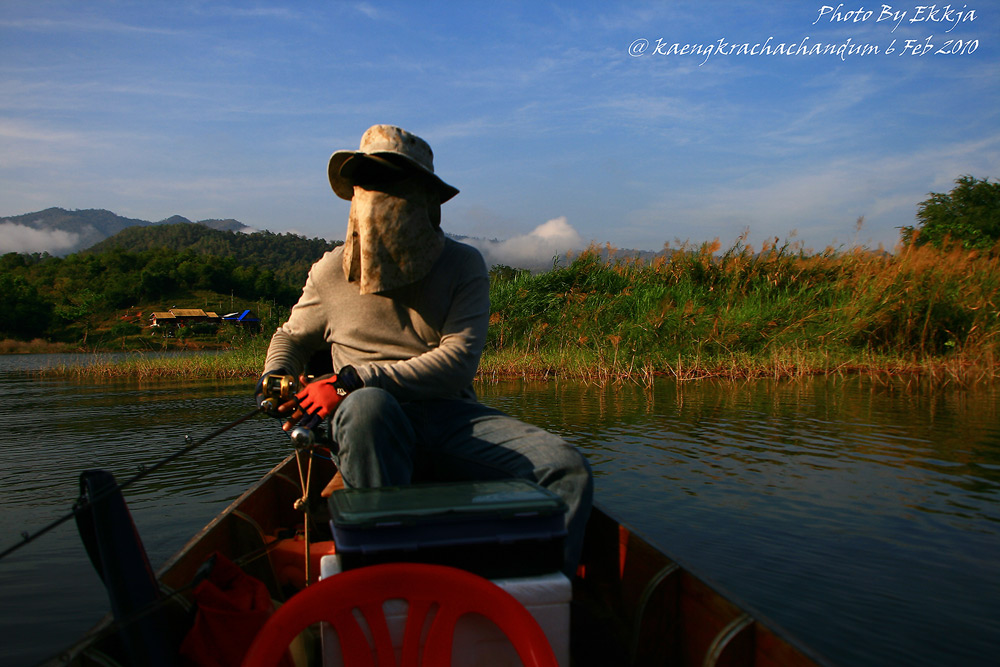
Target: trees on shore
x,y
969,214
63,299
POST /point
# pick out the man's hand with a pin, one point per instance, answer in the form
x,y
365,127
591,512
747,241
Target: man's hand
x,y
314,403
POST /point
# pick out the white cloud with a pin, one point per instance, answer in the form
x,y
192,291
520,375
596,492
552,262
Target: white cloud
x,y
25,144
284,13
78,25
534,250
25,131
19,238
369,10
819,203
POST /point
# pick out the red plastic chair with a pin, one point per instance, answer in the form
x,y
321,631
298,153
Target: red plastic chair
x,y
452,592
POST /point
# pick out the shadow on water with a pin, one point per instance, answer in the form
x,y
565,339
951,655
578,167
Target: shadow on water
x,y
862,518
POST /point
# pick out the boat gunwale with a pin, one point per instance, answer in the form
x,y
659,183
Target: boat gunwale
x,y
766,636
763,626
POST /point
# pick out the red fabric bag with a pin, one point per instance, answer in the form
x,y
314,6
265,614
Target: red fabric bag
x,y
232,608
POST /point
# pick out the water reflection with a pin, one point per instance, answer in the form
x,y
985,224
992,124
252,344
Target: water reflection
x,y
856,514
863,518
56,429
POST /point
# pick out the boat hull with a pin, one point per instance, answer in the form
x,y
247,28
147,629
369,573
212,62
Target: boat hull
x,y
632,604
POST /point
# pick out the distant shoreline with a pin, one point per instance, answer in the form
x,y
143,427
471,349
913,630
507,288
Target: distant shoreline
x,y
39,346
508,365
698,314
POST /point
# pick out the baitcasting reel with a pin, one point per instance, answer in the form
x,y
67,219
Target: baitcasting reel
x,y
278,389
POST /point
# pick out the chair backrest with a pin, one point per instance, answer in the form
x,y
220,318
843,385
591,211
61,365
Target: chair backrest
x,y
448,592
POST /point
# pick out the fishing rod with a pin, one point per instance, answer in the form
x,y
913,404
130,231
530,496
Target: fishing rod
x,y
82,503
276,389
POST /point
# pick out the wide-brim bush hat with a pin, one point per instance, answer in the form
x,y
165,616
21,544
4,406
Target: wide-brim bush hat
x,y
385,150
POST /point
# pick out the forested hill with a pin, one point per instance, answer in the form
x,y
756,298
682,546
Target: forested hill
x,y
148,268
289,256
62,232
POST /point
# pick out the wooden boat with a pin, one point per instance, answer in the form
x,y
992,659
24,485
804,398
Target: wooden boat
x,y
632,605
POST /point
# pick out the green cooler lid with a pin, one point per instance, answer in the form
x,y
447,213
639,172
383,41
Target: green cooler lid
x,y
500,499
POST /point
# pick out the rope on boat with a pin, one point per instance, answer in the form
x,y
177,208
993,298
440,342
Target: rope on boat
x,y
303,504
82,503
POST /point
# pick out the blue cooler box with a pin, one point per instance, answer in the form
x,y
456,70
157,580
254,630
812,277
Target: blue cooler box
x,y
504,528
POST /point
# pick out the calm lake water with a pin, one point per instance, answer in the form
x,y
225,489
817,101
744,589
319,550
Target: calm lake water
x,y
861,517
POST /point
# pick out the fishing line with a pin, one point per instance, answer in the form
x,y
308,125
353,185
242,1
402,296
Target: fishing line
x,y
82,503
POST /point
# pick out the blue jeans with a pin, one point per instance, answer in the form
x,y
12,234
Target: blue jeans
x,y
382,442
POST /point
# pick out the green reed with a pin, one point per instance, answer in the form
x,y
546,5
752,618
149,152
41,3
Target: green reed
x,y
777,312
697,313
244,361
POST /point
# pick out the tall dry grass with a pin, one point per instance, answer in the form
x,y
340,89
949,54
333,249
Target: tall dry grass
x,y
741,313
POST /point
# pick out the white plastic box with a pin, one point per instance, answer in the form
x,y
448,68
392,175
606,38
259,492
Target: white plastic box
x,y
479,643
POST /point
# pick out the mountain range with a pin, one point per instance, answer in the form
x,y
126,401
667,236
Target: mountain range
x,y
61,232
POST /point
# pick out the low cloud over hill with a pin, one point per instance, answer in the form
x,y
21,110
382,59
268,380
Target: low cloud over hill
x,y
59,231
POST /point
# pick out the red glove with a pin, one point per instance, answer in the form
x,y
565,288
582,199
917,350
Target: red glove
x,y
316,401
321,397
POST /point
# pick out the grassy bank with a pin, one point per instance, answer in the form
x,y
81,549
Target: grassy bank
x,y
699,314
35,346
776,313
239,362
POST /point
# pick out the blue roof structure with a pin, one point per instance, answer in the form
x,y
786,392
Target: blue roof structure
x,y
244,317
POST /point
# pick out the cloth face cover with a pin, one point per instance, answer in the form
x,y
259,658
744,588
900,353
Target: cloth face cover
x,y
393,235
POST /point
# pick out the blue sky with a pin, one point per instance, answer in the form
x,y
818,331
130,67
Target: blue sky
x,y
541,113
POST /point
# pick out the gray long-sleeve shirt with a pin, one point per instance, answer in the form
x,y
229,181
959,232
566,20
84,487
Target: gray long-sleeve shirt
x,y
423,340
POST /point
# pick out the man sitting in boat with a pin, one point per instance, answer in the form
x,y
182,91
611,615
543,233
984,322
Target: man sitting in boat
x,y
403,311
